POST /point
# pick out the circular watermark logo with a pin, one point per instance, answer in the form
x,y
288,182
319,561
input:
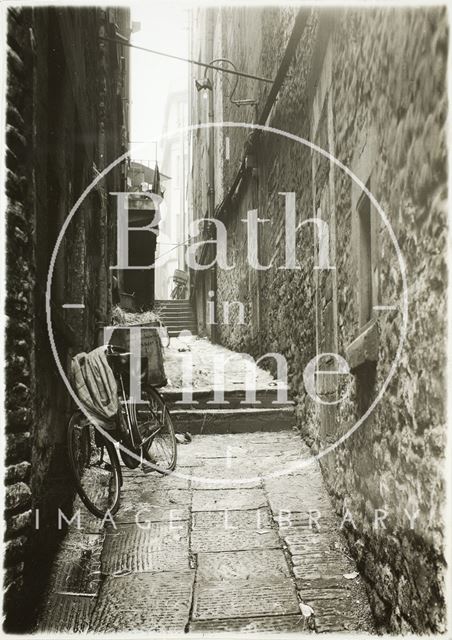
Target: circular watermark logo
x,y
323,254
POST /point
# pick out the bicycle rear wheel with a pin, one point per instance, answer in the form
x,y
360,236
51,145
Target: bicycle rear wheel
x,y
95,466
157,431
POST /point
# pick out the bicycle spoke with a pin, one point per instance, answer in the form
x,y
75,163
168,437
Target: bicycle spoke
x,y
96,474
160,449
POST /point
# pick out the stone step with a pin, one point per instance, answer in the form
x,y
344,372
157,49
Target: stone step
x,y
185,319
179,317
171,304
204,399
174,331
181,325
176,314
232,420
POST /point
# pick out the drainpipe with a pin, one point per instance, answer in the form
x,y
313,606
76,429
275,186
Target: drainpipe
x,y
211,185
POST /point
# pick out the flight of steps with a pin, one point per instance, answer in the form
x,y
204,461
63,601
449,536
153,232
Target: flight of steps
x,y
204,416
176,315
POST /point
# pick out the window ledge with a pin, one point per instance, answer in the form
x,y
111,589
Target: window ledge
x,y
365,347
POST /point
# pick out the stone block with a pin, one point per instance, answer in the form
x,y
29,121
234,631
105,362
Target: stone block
x,y
220,539
243,598
124,603
242,565
15,550
228,499
17,472
17,496
240,520
19,418
15,524
65,613
258,624
159,547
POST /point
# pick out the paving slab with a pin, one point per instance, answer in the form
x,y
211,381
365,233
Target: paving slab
x,y
144,505
242,565
228,499
340,615
320,557
137,480
259,624
292,499
142,512
219,539
144,602
67,614
250,519
222,476
163,497
77,566
157,548
241,598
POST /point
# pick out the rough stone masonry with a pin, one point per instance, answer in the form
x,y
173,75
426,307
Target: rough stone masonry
x,y
61,80
369,87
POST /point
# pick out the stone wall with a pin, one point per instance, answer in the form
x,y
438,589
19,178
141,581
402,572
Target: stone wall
x,y
66,122
389,105
369,87
19,372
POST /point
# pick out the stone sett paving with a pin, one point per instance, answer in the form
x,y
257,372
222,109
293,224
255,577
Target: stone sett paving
x,y
184,555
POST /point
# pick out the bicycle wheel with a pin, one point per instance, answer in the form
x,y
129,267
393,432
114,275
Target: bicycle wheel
x,y
157,431
95,466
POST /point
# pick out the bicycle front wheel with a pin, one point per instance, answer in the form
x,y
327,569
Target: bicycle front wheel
x,y
95,466
157,432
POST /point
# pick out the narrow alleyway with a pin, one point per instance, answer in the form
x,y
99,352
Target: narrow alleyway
x,y
218,546
256,184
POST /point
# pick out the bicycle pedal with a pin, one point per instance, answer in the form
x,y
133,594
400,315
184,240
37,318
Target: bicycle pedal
x,y
145,468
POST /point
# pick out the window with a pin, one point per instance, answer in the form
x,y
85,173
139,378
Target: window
x,y
365,258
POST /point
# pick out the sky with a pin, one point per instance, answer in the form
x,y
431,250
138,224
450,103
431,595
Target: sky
x,y
164,27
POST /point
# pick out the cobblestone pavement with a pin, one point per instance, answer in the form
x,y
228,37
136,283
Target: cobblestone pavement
x,y
184,554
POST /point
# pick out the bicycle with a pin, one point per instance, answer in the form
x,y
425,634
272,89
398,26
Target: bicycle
x,y
179,292
143,429
180,279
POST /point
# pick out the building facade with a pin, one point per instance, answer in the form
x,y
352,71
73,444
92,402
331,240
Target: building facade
x,y
137,286
175,218
366,86
67,119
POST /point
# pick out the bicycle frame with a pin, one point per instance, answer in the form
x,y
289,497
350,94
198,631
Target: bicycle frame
x,y
131,417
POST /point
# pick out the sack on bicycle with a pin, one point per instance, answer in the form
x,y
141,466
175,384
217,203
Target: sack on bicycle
x,y
95,386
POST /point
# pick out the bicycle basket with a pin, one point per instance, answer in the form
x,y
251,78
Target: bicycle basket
x,y
151,348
